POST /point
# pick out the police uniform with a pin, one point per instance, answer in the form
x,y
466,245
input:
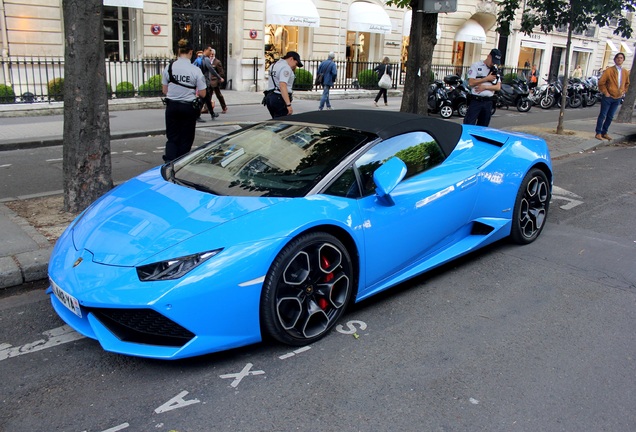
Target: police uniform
x,y
181,110
480,104
279,72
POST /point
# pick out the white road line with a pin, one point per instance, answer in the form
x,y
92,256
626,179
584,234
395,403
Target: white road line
x,y
54,160
176,402
54,337
5,165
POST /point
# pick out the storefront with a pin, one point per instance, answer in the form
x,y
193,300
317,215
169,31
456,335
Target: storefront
x,y
366,23
288,25
467,44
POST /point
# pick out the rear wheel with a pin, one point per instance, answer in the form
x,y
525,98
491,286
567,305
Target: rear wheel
x,y
306,289
462,109
531,207
576,101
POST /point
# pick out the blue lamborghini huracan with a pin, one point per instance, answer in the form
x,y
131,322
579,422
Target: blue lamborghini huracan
x,y
276,228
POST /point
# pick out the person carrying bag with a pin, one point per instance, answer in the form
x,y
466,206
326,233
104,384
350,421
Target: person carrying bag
x,y
385,81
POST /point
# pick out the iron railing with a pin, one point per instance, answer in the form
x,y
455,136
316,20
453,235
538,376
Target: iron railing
x,y
35,79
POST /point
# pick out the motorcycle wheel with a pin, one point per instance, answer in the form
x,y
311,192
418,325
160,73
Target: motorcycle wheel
x,y
546,102
524,105
576,101
591,101
493,109
462,109
446,111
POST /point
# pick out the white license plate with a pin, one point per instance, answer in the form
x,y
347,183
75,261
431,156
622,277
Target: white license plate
x,y
66,299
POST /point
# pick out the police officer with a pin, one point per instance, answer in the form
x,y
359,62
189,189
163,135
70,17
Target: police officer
x,y
484,81
183,85
280,84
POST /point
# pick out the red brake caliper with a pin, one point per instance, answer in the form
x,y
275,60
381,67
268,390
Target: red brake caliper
x,y
322,302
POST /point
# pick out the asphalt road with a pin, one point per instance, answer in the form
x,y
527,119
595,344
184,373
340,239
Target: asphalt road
x,y
37,171
532,338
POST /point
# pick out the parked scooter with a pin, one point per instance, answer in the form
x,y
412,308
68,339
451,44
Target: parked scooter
x,y
457,92
514,94
438,101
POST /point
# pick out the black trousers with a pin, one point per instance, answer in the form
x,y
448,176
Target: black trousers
x,y
181,120
276,105
479,112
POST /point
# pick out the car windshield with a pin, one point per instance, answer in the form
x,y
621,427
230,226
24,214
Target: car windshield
x,y
269,159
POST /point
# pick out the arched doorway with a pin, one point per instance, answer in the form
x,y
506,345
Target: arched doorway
x,y
202,22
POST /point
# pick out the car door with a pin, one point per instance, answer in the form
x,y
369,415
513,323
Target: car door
x,y
426,211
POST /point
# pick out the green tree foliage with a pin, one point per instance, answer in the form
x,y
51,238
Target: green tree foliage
x,y
422,40
575,15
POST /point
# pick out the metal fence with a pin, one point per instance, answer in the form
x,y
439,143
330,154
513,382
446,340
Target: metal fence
x,y
35,79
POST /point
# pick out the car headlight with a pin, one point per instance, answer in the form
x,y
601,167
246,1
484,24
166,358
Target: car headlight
x,y
174,268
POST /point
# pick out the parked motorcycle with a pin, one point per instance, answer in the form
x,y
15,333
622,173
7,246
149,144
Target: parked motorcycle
x,y
590,94
438,101
457,92
514,94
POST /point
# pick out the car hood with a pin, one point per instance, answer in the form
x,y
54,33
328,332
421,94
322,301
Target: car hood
x,y
147,215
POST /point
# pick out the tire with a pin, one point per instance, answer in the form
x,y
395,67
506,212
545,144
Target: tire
x,y
546,102
524,105
307,289
462,109
446,111
531,207
493,110
576,101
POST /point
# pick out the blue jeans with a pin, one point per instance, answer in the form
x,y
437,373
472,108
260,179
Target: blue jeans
x,y
325,97
608,109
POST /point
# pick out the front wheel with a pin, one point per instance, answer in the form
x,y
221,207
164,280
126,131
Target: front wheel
x,y
531,207
546,102
576,101
446,111
524,105
306,289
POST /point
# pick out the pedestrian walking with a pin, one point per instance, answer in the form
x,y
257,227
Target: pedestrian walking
x,y
183,84
381,70
484,81
217,79
203,62
577,72
329,71
613,84
278,96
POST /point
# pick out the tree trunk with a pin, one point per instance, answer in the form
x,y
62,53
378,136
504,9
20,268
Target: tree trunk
x,y
86,149
627,109
422,40
566,76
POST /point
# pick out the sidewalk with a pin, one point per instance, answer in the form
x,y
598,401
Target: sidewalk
x,y
24,252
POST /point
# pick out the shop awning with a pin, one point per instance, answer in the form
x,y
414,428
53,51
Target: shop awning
x,y
612,46
368,17
406,25
626,47
472,32
138,4
300,13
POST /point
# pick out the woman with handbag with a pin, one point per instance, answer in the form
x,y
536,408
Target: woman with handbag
x,y
384,73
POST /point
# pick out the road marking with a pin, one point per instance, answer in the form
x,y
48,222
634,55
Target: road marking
x,y
572,200
176,402
351,325
293,353
54,337
54,160
5,166
238,377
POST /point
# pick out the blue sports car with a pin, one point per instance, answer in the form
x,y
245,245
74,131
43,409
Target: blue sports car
x,y
274,229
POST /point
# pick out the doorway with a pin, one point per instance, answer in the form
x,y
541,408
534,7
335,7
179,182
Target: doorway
x,y
202,22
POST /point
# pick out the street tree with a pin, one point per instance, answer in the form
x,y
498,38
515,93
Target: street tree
x,y
574,15
422,40
627,108
87,169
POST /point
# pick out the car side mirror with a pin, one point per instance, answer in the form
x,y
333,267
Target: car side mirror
x,y
388,176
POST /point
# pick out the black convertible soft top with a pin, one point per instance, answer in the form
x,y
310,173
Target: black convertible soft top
x,y
385,124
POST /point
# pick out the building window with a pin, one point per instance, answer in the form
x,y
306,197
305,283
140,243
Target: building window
x,y
117,33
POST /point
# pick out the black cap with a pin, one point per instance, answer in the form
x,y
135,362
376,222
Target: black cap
x,y
496,56
295,56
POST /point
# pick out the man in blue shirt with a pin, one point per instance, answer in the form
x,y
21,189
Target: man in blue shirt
x,y
329,71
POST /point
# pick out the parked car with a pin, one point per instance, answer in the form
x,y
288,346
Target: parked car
x,y
275,229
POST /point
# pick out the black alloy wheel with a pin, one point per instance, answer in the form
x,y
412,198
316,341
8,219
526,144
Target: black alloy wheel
x,y
307,289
